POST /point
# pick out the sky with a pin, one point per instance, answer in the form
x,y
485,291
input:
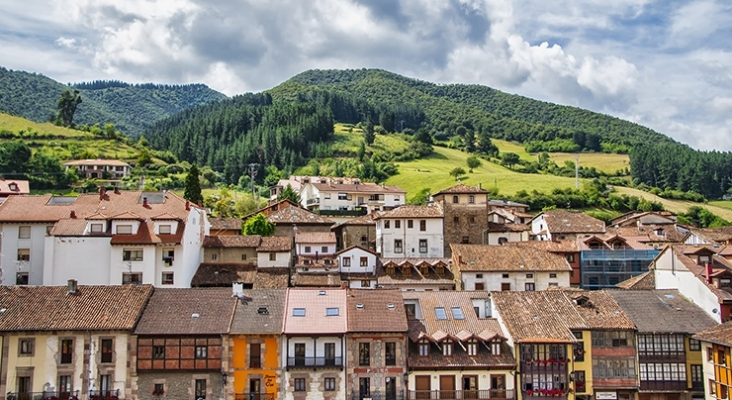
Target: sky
x,y
664,64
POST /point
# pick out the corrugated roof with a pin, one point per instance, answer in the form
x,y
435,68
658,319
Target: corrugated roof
x,y
190,311
376,311
264,314
315,302
476,257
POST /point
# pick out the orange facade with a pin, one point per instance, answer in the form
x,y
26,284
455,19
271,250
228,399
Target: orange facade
x,y
722,371
255,365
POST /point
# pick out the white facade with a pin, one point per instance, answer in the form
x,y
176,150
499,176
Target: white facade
x,y
349,197
314,376
498,238
275,259
514,280
357,260
14,244
484,378
540,229
310,249
405,237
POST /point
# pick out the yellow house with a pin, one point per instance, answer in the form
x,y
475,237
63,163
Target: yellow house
x,y
255,335
717,342
68,342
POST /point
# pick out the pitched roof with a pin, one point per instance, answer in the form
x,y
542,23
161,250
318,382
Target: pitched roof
x,y
315,302
429,211
20,186
507,203
365,187
316,280
223,274
720,334
146,235
662,311
356,247
415,276
98,161
559,221
368,219
225,224
461,188
262,315
315,237
508,227
644,281
297,215
275,244
232,241
190,311
376,311
272,278
476,257
718,235
554,246
49,308
684,253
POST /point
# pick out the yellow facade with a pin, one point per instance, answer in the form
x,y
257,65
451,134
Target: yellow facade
x,y
245,374
693,357
585,365
722,371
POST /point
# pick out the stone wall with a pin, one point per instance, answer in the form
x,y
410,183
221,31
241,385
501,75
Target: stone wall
x,y
178,385
471,223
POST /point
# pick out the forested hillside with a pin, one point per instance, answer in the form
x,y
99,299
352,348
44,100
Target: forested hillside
x,y
131,108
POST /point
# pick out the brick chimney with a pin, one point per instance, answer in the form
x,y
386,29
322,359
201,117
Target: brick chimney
x,y
709,272
188,205
101,193
72,214
144,202
116,190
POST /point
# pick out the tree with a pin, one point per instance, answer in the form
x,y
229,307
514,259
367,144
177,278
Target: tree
x,y
67,105
368,132
473,162
421,198
290,194
192,191
360,154
457,172
258,225
387,120
509,159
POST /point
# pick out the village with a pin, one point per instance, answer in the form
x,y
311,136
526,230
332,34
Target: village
x,y
124,294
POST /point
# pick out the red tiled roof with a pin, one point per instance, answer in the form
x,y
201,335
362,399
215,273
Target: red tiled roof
x,y
192,311
376,311
476,257
461,188
559,221
644,281
146,235
360,188
315,237
315,302
21,186
225,224
275,244
720,334
298,216
232,241
430,211
223,274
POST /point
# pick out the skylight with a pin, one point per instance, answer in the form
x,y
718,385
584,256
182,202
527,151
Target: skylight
x,y
440,312
298,312
331,312
457,313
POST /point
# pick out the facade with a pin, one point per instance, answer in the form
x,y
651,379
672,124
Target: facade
x,y
456,350
415,274
560,225
314,347
716,343
225,226
606,260
255,345
350,200
231,249
290,220
411,231
465,214
519,268
181,350
357,266
359,231
502,233
124,237
275,252
565,248
12,187
99,169
669,362
376,345
69,342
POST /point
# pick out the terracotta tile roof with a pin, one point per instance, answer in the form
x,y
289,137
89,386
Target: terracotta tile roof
x,y
166,217
356,247
315,302
430,211
662,311
365,187
315,237
415,276
497,227
559,246
720,334
126,216
539,317
368,219
272,278
272,208
476,257
264,314
297,215
507,203
644,281
232,241
223,274
20,186
225,224
718,235
559,221
376,311
649,234
72,227
98,161
461,188
275,244
192,311
49,308
600,310
146,235
316,280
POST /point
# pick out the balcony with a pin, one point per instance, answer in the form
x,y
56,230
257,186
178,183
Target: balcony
x,y
341,213
315,200
254,396
44,396
104,394
314,362
374,395
460,394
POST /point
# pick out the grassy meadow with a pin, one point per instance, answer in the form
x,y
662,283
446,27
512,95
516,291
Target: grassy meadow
x,y
608,163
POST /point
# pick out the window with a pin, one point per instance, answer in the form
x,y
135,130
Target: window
x,y
505,286
298,312
456,219
465,240
579,349
25,347
579,381
364,387
472,219
697,373
721,359
455,199
496,347
615,367
214,257
132,278
331,312
440,313
570,258
504,276
124,230
529,286
23,254
67,351
710,354
21,278
612,339
457,313
471,199
364,261
324,249
398,246
167,278
158,352
411,310
24,232
64,386
424,348
24,386
132,255
158,389
200,388
243,257
107,350
479,286
329,384
307,249
346,261
472,347
272,256
255,355
397,224
201,352
97,228
422,245
410,224
342,196
390,353
364,354
447,347
365,283
694,345
552,275
299,384
387,224
422,225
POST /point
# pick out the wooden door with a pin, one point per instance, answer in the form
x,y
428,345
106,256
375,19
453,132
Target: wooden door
x,y
498,386
422,386
470,386
505,286
447,387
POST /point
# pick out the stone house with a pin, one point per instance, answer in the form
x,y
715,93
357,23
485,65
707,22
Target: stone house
x,y
465,211
359,231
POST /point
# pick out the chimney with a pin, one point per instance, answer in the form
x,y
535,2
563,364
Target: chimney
x,y
144,202
116,190
344,285
460,259
709,272
237,288
101,193
188,205
72,214
71,286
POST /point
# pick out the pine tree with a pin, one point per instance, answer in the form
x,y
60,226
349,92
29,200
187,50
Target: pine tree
x,y
192,191
289,194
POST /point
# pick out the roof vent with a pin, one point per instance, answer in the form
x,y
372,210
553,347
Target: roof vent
x,y
72,286
264,310
390,306
195,315
359,306
321,293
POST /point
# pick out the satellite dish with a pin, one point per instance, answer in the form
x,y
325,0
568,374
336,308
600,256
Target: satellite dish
x,y
714,311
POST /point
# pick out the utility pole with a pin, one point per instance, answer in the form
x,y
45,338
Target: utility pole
x,y
252,174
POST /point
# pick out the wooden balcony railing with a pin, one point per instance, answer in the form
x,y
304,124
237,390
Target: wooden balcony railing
x,y
43,396
460,394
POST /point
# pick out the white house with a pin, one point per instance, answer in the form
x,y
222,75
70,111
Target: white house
x,y
99,169
411,231
358,267
365,196
312,243
275,252
102,239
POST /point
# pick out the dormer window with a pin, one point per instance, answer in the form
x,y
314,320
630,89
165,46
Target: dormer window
x,y
390,270
407,270
725,283
439,269
472,347
703,259
124,230
97,227
424,348
13,187
447,347
496,347
424,270
164,230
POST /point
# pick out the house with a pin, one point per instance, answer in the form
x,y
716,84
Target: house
x,y
182,346
502,233
69,341
275,252
717,342
339,200
569,344
560,225
124,237
410,231
311,244
225,226
669,360
271,208
456,349
415,274
296,182
255,345
644,281
357,266
231,249
314,344
225,274
99,169
510,206
465,209
359,231
606,260
492,268
12,187
719,236
565,248
643,218
316,263
290,219
376,345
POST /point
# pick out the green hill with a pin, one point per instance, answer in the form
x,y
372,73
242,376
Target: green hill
x,y
131,108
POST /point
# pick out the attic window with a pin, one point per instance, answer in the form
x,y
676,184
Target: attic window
x,y
264,310
440,313
704,259
13,187
97,228
390,270
359,306
457,313
298,312
390,306
331,312
321,293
